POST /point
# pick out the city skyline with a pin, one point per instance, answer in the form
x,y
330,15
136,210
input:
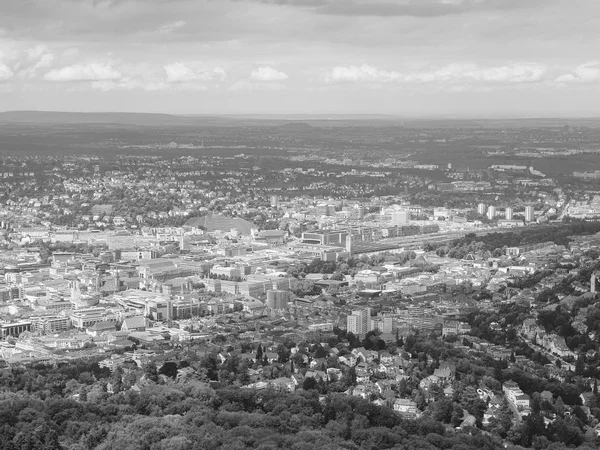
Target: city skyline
x,y
429,58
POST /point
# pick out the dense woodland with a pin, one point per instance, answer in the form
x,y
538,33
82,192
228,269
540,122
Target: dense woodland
x,y
495,243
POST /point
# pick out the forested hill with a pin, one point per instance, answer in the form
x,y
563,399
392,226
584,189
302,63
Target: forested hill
x,y
38,411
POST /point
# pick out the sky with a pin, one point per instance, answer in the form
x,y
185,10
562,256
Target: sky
x,y
412,58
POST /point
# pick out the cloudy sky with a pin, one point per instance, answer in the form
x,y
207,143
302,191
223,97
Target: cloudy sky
x,y
405,57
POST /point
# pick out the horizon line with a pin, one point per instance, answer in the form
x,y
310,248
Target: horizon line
x,y
400,116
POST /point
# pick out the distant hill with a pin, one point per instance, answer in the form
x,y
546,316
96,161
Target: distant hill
x,y
140,119
214,222
296,126
281,123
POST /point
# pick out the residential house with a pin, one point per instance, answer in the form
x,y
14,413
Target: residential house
x,y
406,407
283,384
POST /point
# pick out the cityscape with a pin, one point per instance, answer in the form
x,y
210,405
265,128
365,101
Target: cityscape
x,y
255,224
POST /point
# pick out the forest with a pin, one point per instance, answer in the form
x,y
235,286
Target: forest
x,y
495,243
79,406
38,412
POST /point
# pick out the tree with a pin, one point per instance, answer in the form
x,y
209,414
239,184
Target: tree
x,y
259,352
579,365
309,383
151,372
169,369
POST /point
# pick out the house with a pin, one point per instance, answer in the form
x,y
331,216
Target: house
x,y
363,390
428,382
406,407
112,363
334,374
450,327
448,391
271,357
298,379
586,397
283,384
445,373
362,375
364,355
137,323
348,360
316,374
547,396
386,357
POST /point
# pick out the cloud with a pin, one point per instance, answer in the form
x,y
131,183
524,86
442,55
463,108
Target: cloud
x,y
84,72
130,84
38,57
170,27
515,73
409,8
245,85
588,72
361,73
180,73
5,72
268,74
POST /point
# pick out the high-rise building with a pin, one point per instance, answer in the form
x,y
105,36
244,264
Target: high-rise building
x,y
383,324
349,243
508,213
274,201
277,299
491,212
359,322
481,209
529,214
593,284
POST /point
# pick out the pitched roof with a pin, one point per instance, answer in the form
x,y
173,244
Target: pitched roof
x,y
134,322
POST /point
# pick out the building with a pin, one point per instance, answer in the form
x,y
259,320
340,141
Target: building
x,y
85,318
136,323
50,324
406,407
13,329
231,272
383,324
481,208
359,322
400,218
491,212
515,396
508,213
277,299
529,214
325,237
271,237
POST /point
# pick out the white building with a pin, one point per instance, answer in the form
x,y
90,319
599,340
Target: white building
x,y
529,213
359,322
